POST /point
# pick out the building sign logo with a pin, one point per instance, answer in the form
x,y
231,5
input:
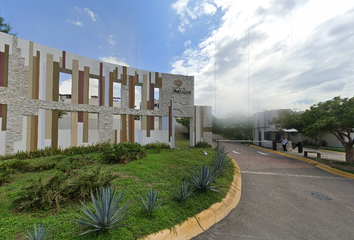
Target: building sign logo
x,y
178,83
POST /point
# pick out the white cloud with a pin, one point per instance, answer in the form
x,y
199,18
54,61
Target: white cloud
x,y
111,40
187,13
114,60
77,23
271,54
65,87
209,9
90,13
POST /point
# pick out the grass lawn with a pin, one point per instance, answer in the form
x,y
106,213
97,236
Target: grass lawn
x,y
161,171
182,140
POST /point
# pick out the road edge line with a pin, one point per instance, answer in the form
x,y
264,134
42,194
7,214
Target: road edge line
x,y
197,224
317,164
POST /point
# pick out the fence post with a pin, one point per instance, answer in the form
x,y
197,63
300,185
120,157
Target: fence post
x,y
274,145
299,147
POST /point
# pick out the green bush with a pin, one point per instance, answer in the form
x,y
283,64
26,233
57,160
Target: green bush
x,y
5,176
157,145
202,145
62,188
123,152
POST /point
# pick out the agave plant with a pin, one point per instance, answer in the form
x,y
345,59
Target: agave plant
x,y
150,201
105,216
183,192
222,149
203,177
42,233
219,162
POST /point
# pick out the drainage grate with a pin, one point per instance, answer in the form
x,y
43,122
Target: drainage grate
x,y
318,195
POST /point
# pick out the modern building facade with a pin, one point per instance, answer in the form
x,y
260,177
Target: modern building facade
x,y
31,106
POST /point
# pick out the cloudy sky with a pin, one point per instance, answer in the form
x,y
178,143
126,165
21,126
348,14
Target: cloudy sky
x,y
245,55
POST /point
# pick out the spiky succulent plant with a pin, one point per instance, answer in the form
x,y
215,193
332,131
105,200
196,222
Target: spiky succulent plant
x,y
106,215
219,162
203,178
183,192
42,233
150,201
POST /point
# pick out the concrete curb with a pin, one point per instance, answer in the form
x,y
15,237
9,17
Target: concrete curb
x,y
319,165
204,220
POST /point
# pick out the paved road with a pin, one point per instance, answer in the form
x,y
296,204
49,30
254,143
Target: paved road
x,y
285,198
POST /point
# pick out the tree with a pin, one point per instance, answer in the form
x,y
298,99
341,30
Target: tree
x,y
334,116
5,27
184,122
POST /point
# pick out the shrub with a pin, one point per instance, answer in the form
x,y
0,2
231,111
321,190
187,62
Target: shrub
x,y
123,152
62,188
202,145
157,145
105,216
182,192
41,234
203,177
5,176
150,201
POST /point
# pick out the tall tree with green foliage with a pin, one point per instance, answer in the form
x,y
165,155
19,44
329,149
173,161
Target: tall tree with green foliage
x,y
5,27
335,116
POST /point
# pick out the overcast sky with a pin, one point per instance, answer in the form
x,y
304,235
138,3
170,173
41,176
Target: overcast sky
x,y
246,56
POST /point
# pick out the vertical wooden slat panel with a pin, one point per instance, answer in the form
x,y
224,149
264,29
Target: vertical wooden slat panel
x,y
49,78
35,134
115,136
55,127
0,110
6,66
86,84
148,129
124,76
55,95
111,89
36,79
29,133
3,110
2,60
74,126
75,82
123,133
85,127
64,59
101,87
131,128
30,71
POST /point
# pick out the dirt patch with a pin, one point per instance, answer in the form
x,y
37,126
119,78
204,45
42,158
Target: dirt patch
x,y
121,174
136,179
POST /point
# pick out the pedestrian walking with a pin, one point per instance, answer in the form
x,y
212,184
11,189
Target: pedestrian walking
x,y
284,141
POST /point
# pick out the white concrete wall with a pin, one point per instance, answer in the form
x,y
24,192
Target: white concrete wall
x,y
331,140
2,140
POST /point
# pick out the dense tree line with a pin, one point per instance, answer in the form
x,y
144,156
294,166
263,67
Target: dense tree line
x,y
234,128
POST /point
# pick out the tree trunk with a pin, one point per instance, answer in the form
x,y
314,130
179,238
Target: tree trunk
x,y
349,152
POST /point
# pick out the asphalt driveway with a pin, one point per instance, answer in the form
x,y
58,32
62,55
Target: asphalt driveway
x,y
284,198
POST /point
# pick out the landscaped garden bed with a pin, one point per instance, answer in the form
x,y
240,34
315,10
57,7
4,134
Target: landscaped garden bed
x,y
49,189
